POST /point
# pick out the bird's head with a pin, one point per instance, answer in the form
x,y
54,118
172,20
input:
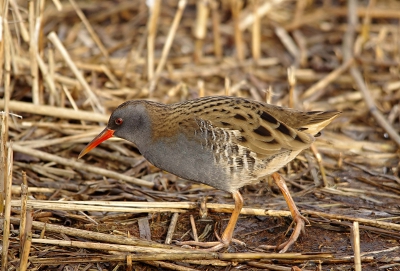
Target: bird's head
x,y
129,121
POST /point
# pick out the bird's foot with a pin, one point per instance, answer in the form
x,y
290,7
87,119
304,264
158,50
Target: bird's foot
x,y
210,246
299,220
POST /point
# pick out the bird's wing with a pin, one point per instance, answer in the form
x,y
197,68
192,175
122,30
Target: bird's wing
x,y
248,125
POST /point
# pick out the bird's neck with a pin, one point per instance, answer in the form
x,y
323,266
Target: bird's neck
x,y
164,122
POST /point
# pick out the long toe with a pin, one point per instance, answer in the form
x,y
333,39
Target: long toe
x,y
299,228
206,246
295,235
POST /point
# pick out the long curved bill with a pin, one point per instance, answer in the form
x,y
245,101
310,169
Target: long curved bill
x,y
103,136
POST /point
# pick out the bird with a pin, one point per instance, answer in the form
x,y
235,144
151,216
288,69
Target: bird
x,y
221,141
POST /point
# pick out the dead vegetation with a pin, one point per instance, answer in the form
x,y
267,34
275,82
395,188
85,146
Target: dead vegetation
x,y
66,65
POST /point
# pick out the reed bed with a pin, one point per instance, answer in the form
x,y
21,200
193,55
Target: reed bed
x,y
65,65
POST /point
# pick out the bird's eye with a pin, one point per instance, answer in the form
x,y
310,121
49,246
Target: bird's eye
x,y
119,121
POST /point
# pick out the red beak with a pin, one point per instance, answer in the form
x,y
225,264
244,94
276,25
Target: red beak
x,y
103,136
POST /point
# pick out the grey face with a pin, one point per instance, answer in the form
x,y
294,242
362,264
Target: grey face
x,y
130,121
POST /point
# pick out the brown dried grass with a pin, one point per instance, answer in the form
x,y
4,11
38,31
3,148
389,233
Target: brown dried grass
x,y
66,65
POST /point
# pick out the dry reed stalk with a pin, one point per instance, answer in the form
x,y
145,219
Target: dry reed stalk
x,y
156,252
51,70
34,28
131,204
101,237
91,31
171,228
381,251
154,13
217,263
310,18
24,32
256,32
348,44
58,5
274,267
140,207
5,151
6,57
366,192
292,84
93,208
216,29
273,256
299,12
375,150
117,257
236,7
144,228
317,90
7,209
302,45
71,100
166,265
131,59
349,194
168,44
129,262
17,190
200,85
288,42
25,252
143,254
248,17
200,28
53,111
194,229
50,171
320,164
23,215
372,107
355,233
93,100
365,221
67,81
77,165
48,78
349,260
107,71
78,128
101,68
3,161
365,33
374,183
79,138
225,65
376,12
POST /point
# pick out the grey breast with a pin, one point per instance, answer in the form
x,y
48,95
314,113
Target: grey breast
x,y
188,158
